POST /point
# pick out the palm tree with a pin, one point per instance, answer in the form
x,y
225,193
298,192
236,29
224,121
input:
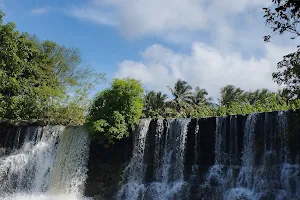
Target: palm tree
x,y
199,97
257,95
155,104
181,93
230,94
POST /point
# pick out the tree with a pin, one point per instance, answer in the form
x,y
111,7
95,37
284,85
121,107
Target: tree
x,y
155,104
257,95
181,93
116,110
67,65
289,74
199,97
284,95
24,83
76,81
230,94
36,77
283,17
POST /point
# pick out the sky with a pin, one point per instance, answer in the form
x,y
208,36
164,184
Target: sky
x,y
209,43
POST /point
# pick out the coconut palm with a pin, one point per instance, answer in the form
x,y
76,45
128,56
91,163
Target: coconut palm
x,y
155,104
230,94
199,97
182,94
258,95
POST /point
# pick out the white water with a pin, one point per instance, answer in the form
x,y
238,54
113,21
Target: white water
x,y
245,176
135,170
51,164
252,160
168,163
271,176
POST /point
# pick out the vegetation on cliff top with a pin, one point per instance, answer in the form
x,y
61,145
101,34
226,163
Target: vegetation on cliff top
x,y
186,103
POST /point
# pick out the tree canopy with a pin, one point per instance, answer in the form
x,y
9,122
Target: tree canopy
x,y
284,17
199,97
230,94
155,104
116,110
181,93
197,103
38,78
289,74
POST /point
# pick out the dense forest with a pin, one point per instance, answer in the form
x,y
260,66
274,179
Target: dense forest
x,y
48,81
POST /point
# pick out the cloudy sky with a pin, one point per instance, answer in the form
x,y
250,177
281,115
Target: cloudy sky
x,y
209,43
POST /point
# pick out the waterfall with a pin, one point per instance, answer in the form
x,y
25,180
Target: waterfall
x,y
245,176
265,171
43,163
156,170
69,171
252,157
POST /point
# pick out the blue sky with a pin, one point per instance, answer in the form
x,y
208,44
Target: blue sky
x,y
209,43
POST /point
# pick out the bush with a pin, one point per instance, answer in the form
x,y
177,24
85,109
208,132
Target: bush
x,y
116,110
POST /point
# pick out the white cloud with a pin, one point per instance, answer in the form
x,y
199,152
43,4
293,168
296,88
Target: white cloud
x,y
227,25
40,11
225,40
205,66
94,14
143,17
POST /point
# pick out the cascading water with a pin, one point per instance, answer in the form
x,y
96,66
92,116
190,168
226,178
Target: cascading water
x,y
164,147
252,160
245,175
69,172
264,168
44,163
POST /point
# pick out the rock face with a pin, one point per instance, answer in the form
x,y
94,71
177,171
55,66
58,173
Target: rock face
x,y
105,168
12,136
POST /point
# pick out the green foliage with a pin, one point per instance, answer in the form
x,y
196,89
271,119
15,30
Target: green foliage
x,y
38,79
257,95
246,108
233,101
155,104
271,103
199,97
70,110
116,110
182,94
283,17
203,111
230,94
289,74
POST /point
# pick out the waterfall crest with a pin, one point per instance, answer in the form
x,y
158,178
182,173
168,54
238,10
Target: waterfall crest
x,y
44,163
